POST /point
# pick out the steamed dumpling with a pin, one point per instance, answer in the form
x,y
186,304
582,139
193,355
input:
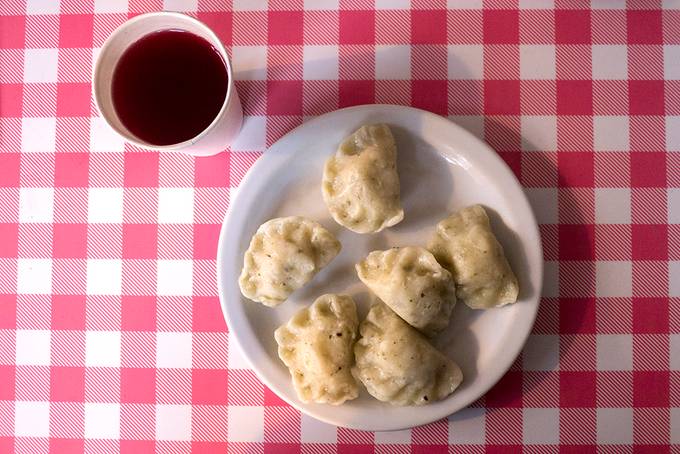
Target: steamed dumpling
x,y
360,181
285,254
465,245
411,282
316,346
398,365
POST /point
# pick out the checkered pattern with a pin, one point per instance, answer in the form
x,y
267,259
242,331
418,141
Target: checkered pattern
x,y
111,337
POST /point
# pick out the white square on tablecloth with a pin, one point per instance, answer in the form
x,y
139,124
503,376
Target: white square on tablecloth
x,y
392,4
468,427
42,7
31,419
38,134
104,276
610,61
541,352
671,59
253,134
612,205
36,204
541,426
235,356
673,202
614,279
394,437
246,424
173,422
40,65
173,350
537,61
464,4
675,425
608,4
102,421
314,431
250,5
180,5
674,352
175,205
551,273
102,348
544,203
320,62
310,5
174,278
110,6
539,132
536,4
472,123
34,276
249,62
615,425
674,279
610,133
103,138
465,62
673,133
392,62
33,347
614,352
105,205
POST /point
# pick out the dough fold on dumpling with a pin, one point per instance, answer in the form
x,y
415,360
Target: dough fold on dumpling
x,y
285,254
360,181
465,245
411,282
316,346
398,365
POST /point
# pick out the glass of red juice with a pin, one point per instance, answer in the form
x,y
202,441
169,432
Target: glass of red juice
x,y
164,81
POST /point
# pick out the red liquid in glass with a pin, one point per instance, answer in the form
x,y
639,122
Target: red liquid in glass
x,y
169,86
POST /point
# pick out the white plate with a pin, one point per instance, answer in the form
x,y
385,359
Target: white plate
x,y
442,168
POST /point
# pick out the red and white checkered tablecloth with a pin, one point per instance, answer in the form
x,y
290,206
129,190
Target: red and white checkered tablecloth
x,y
111,336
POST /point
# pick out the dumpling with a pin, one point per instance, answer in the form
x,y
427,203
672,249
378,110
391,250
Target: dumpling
x,y
285,254
360,182
465,245
398,365
411,282
316,345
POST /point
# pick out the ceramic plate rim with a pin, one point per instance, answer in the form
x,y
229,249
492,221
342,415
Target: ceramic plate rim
x,y
479,147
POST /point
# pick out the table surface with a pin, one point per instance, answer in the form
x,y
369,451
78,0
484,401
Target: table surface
x,y
111,335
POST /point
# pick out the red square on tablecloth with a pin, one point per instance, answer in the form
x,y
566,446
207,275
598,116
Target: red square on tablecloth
x,y
577,316
572,26
8,312
67,384
7,382
66,445
141,169
430,95
209,387
651,315
284,97
501,26
137,385
220,22
69,241
212,171
651,388
644,26
646,97
11,99
357,27
73,99
507,392
355,92
428,27
502,97
577,389
9,246
9,168
71,169
285,27
577,242
207,314
574,97
650,242
68,312
648,170
12,31
205,240
138,313
75,30
576,169
140,241
137,446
